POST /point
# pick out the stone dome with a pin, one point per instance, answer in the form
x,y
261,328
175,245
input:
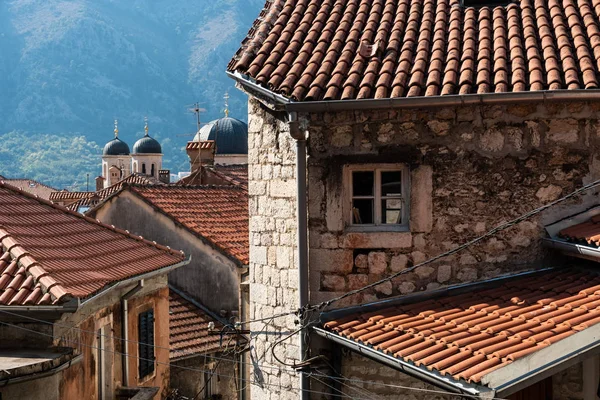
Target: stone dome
x,y
116,147
147,145
230,134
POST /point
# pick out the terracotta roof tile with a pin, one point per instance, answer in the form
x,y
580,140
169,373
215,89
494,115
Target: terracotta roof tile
x,y
311,50
48,254
586,233
463,343
188,329
219,174
217,213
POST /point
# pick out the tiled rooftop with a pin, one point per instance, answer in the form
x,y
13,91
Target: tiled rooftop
x,y
351,49
217,213
219,174
188,329
587,233
66,195
49,254
95,197
465,336
34,187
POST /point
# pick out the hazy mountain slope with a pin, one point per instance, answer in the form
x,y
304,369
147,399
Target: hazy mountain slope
x,y
74,66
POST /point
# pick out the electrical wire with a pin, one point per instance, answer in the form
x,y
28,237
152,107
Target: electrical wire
x,y
113,337
216,374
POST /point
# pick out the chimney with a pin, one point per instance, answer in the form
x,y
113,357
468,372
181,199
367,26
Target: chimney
x,y
200,153
164,175
99,183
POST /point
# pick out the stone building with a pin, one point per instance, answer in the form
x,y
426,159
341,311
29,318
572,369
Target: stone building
x,y
411,128
84,307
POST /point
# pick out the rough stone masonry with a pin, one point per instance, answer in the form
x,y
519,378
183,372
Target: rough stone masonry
x,y
471,168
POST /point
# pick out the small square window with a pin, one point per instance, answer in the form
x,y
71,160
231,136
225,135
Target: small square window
x,y
378,196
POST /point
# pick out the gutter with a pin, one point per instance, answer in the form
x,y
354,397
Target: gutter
x,y
421,373
282,103
137,278
68,307
575,249
125,328
39,375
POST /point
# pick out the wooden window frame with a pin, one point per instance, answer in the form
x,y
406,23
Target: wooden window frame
x,y
377,226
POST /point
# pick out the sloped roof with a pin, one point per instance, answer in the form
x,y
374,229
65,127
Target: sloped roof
x,y
188,329
94,197
217,213
587,232
219,174
47,249
34,187
66,195
466,334
308,50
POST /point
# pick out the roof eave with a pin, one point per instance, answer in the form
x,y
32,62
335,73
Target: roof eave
x,y
573,249
281,103
421,373
127,281
545,362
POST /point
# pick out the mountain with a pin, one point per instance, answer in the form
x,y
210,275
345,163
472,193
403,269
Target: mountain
x,y
69,68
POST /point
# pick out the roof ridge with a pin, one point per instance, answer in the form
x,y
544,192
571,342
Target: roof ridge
x,y
32,266
166,249
31,180
185,186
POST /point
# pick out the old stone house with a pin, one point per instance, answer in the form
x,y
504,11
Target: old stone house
x,y
84,307
210,223
384,133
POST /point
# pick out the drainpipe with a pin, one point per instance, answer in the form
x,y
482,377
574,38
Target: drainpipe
x,y
125,329
300,138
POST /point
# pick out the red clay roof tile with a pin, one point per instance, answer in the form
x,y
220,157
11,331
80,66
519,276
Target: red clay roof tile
x,y
469,344
217,213
188,329
320,50
45,260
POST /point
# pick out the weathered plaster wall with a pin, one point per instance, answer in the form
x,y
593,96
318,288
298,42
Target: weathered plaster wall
x,y
44,388
80,380
186,377
209,271
472,168
273,273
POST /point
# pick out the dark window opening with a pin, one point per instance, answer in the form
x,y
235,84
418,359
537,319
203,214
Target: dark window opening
x,y
146,343
152,170
377,197
143,168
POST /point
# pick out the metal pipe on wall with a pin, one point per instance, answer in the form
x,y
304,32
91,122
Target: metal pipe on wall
x,y
125,328
302,240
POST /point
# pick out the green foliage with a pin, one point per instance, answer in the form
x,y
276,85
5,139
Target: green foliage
x,y
58,160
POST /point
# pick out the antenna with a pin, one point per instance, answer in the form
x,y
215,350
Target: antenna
x,y
197,110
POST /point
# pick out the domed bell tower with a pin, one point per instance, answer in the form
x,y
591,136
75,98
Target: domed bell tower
x,y
147,155
116,160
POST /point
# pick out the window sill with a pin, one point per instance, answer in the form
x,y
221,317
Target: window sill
x,y
376,228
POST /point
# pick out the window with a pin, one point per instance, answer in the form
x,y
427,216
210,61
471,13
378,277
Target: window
x,y
378,196
143,168
146,343
152,170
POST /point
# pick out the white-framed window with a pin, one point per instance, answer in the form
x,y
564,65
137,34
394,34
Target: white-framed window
x,y
377,196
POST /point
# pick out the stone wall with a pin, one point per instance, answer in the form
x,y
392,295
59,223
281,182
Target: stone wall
x,y
472,168
273,273
188,376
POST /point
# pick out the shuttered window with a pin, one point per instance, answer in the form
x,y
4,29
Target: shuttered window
x,y
146,343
